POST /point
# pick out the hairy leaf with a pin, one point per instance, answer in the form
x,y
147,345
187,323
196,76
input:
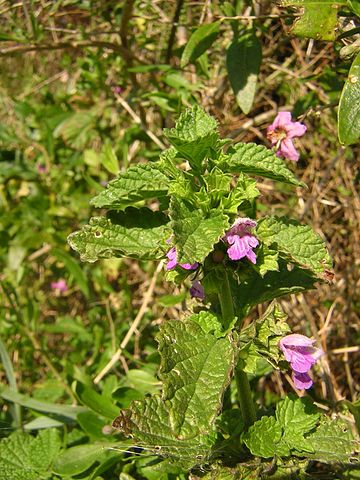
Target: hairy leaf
x,y
349,106
137,183
258,160
196,368
201,39
297,243
133,233
194,135
24,457
318,18
195,234
243,60
263,437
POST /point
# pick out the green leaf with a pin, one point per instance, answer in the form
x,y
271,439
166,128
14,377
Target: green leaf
x,y
262,437
74,269
96,402
132,233
194,135
333,442
243,60
258,160
76,460
109,159
349,106
196,368
266,260
66,411
355,6
76,128
200,40
297,243
195,235
318,18
24,457
137,183
209,323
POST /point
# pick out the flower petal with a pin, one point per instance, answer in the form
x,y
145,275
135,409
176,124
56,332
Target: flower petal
x,y
295,129
302,380
296,340
288,150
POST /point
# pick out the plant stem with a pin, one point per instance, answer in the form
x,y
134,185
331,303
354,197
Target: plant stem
x,y
247,406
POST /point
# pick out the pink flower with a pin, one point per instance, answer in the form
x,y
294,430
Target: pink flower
x,y
241,240
60,285
197,290
302,355
171,264
281,132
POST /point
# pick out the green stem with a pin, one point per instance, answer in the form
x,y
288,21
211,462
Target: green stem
x,y
247,406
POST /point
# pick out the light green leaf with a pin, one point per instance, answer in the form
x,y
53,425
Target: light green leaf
x,y
355,6
194,135
297,243
333,442
195,234
263,437
109,159
349,106
96,402
196,368
258,160
266,260
209,322
76,128
77,459
318,18
132,233
42,422
200,40
137,183
243,60
24,457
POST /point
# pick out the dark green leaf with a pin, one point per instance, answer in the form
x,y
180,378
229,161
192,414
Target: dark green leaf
x,y
243,60
201,39
349,106
96,402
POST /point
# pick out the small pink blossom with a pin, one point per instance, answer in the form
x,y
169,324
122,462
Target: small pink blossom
x,y
302,355
197,290
172,261
41,168
241,241
60,285
281,132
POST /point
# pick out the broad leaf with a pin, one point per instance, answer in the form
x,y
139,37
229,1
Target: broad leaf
x,y
243,60
24,457
297,243
196,368
349,106
201,39
194,135
137,183
96,402
263,437
258,160
195,234
318,18
133,233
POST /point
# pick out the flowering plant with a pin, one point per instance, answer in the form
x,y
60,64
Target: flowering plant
x,y
203,221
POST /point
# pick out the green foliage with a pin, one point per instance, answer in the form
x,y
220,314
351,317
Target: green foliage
x,y
201,39
23,457
349,111
243,60
195,370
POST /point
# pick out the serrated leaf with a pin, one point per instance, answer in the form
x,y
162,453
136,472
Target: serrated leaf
x,y
349,106
133,233
209,323
266,260
318,18
24,457
194,234
194,135
196,368
263,437
200,40
258,160
137,183
297,243
243,60
333,442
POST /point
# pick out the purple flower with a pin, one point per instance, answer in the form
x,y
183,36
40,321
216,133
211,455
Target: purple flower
x,y
60,285
171,264
241,240
42,168
197,290
302,355
282,131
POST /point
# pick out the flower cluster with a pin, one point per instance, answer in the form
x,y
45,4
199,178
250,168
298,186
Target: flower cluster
x,y
281,132
302,355
241,240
